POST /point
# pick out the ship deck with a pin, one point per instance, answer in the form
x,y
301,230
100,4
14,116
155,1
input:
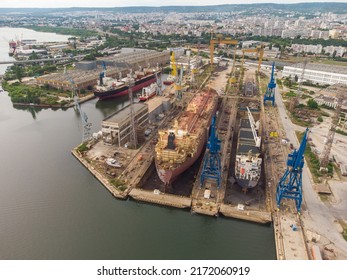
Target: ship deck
x,y
246,139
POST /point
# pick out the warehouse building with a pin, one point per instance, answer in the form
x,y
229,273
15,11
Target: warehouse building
x,y
116,128
86,74
318,74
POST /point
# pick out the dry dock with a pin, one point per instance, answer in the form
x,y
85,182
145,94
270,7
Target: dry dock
x,y
130,180
137,178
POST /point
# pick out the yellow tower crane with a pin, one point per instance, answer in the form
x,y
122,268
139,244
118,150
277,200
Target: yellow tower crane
x,y
173,65
220,40
260,53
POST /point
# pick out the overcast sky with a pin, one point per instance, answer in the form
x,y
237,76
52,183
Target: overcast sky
x,y
117,3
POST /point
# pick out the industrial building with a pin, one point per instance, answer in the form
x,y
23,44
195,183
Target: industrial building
x,y
134,58
316,73
86,74
116,128
189,62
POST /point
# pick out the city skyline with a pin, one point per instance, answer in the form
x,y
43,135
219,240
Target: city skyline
x,y
154,3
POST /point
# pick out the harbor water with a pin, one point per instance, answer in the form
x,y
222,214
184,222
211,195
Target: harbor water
x,y
51,207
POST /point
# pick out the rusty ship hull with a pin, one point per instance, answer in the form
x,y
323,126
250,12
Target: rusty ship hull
x,y
167,176
188,138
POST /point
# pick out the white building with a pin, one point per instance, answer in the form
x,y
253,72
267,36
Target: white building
x,y
340,51
319,74
307,48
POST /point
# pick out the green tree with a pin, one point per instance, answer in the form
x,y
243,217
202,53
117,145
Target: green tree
x,y
18,72
320,119
312,104
33,56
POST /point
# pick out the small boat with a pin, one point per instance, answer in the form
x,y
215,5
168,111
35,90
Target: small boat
x,y
113,162
169,80
148,92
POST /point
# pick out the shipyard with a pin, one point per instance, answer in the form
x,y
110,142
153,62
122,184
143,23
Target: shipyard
x,y
216,149
204,123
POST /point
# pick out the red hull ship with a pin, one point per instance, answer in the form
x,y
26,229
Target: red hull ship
x,y
179,147
111,88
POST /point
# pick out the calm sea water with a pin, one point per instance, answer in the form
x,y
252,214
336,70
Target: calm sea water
x,y
51,207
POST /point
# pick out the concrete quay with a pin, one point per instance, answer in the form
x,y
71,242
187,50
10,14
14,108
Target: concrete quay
x,y
256,216
113,190
160,198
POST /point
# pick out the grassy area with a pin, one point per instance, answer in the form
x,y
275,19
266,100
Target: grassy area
x,y
339,131
119,184
296,120
290,94
323,197
22,93
200,78
305,96
313,161
344,231
331,62
264,80
82,148
65,31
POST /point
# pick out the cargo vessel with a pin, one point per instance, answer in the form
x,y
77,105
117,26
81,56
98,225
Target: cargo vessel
x,y
110,88
248,162
148,92
180,146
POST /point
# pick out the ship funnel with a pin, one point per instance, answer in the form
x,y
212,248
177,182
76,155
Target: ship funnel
x,y
171,141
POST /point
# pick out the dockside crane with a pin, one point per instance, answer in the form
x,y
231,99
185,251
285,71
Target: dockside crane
x,y
212,163
220,40
290,185
133,124
102,74
178,84
271,88
259,50
86,126
159,83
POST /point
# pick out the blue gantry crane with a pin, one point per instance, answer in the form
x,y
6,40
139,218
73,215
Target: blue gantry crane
x,y
290,185
271,87
102,74
212,165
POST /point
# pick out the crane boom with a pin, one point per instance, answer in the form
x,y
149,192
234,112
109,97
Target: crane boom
x,y
257,139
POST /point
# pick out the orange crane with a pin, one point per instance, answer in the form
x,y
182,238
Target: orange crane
x,y
220,40
260,53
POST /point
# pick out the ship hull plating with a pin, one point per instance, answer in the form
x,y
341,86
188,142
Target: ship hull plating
x,y
181,145
167,176
124,90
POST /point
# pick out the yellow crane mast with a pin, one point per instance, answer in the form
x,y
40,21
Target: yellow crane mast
x,y
220,40
260,53
173,65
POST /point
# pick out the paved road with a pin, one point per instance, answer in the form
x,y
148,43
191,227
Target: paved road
x,y
317,216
